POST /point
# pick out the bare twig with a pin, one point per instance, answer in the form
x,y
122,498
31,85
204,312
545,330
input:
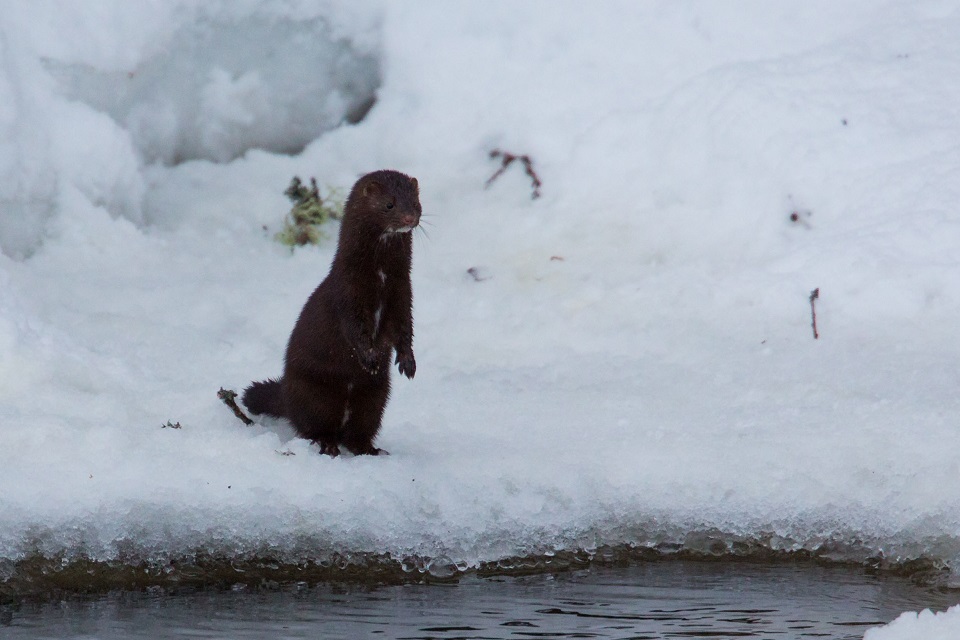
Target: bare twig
x,y
171,425
814,295
230,399
476,275
507,159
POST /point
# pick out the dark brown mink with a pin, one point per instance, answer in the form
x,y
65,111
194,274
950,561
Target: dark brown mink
x,y
336,376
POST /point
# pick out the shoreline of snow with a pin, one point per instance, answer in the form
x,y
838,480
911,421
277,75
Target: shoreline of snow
x,y
37,576
637,364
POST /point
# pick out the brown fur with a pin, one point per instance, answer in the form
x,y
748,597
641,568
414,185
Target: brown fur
x,y
336,377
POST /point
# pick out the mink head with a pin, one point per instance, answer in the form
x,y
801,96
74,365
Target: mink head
x,y
388,200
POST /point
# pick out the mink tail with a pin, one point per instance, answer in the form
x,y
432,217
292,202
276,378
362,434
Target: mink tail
x,y
264,397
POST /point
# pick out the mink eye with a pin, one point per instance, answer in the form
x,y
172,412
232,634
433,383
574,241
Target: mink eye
x,y
391,203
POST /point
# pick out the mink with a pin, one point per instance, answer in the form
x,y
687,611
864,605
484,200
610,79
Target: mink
x,y
336,376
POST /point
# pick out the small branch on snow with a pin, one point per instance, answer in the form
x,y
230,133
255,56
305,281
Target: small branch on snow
x,y
507,159
477,276
230,399
814,295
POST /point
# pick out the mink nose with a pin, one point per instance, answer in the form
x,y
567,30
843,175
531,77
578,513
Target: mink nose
x,y
409,220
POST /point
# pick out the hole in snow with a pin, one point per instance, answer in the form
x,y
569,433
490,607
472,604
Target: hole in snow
x,y
217,88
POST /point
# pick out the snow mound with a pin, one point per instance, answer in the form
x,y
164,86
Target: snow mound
x,y
222,84
926,625
89,95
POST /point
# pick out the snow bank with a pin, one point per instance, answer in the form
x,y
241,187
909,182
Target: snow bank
x,y
637,369
926,625
92,94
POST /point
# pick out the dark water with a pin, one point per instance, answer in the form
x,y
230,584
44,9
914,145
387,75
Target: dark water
x,y
656,600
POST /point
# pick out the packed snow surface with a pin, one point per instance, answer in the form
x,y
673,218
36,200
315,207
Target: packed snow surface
x,y
926,625
626,360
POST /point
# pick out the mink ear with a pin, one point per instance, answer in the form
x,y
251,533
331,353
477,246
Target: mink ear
x,y
372,188
416,185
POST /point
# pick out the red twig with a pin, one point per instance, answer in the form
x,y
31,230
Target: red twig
x,y
506,160
814,295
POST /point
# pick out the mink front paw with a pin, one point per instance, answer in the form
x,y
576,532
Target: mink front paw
x,y
408,364
369,361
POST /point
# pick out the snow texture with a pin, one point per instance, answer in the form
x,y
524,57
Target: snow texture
x,y
925,625
635,363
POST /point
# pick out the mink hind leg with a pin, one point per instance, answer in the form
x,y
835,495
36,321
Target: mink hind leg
x,y
366,412
316,411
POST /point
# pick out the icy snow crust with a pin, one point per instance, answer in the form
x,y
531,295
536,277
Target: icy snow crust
x,y
637,370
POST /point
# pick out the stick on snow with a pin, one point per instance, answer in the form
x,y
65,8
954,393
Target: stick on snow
x,y
507,159
230,399
813,311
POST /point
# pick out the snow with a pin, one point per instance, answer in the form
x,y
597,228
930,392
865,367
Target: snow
x,y
635,364
926,625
